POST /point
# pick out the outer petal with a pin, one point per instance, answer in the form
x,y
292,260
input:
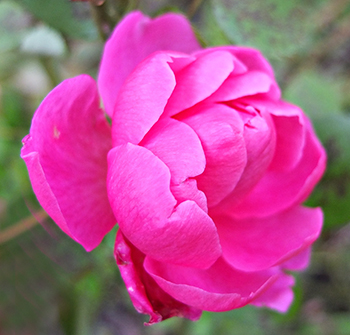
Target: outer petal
x,y
220,130
253,60
290,142
279,296
279,190
199,80
238,86
256,244
146,295
299,262
134,39
290,124
142,99
238,66
139,192
220,288
66,155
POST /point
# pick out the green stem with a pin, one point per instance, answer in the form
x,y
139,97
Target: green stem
x,y
50,68
101,19
194,7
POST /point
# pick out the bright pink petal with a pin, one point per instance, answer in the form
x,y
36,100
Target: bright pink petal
x,y
289,122
142,99
135,38
255,61
219,288
178,146
139,192
255,244
298,262
238,86
199,80
279,296
220,130
251,58
260,141
146,295
277,108
188,190
66,156
238,66
278,190
290,142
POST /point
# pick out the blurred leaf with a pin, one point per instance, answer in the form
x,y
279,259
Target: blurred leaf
x,y
35,268
315,93
209,30
43,41
13,21
277,28
342,323
59,15
13,126
239,322
12,108
9,62
89,292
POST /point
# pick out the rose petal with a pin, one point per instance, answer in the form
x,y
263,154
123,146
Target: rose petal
x,y
289,122
260,141
278,190
134,39
255,61
220,130
277,108
199,80
252,59
256,244
188,190
146,295
238,86
290,142
298,262
66,156
238,66
139,192
178,146
142,99
219,288
279,296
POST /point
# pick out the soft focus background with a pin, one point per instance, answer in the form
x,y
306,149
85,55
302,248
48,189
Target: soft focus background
x,y
48,283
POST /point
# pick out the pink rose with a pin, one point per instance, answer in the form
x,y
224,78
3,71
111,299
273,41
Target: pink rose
x,y
204,168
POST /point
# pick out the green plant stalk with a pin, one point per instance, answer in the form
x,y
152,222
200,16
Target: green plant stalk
x,y
48,63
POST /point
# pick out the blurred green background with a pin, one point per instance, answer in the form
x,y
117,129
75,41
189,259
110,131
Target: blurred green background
x,y
48,283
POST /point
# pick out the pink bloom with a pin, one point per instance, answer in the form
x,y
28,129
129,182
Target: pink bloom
x,y
204,168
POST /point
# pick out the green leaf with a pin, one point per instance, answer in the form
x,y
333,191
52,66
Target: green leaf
x,y
59,15
315,93
210,32
277,28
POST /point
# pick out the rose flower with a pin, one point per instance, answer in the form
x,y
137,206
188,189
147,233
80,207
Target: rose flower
x,y
204,169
